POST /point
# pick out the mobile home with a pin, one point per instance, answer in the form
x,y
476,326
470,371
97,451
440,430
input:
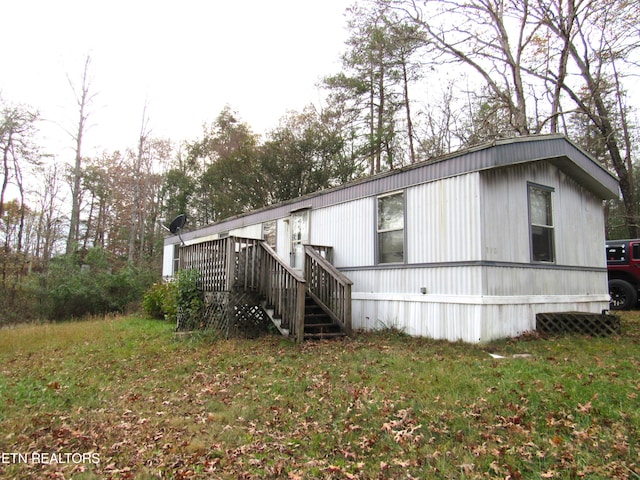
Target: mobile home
x,y
469,246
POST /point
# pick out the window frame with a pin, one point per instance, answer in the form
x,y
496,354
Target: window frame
x,y
176,258
270,233
550,227
379,231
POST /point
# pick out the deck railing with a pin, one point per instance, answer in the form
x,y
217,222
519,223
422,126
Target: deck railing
x,y
328,287
284,291
212,260
233,263
224,264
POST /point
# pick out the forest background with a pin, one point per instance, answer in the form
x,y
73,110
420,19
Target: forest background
x,y
83,235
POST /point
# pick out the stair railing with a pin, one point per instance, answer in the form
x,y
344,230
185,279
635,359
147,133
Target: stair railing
x,y
328,287
232,263
283,290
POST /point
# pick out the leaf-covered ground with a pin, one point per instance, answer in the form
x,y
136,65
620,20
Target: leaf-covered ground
x,y
124,398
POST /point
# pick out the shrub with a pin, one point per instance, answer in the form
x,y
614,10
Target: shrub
x,y
180,301
81,285
189,299
159,301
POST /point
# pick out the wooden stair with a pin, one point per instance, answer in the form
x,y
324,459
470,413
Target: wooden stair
x,y
313,305
318,324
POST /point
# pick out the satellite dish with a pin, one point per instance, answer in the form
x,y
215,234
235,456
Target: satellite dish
x,y
177,224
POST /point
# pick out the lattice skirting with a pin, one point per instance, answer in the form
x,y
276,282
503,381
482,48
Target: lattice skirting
x,y
234,314
597,325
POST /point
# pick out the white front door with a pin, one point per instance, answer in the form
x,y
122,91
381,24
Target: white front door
x,y
299,237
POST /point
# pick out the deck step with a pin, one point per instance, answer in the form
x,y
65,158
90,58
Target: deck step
x,y
324,336
315,318
318,324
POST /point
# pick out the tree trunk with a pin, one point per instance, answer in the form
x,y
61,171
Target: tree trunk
x,y
407,107
83,99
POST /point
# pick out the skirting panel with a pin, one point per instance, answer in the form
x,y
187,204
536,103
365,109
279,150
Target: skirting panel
x,y
472,319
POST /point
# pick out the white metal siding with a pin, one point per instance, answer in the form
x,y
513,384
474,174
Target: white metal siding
x,y
435,280
443,220
505,211
543,281
502,320
167,261
248,231
438,320
471,319
579,232
580,225
283,239
349,228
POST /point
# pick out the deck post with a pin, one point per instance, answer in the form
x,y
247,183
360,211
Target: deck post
x,y
299,320
347,308
231,262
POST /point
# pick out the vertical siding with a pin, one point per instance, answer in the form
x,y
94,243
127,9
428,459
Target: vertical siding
x,y
478,320
283,239
248,231
504,281
437,320
435,280
580,225
522,317
443,220
505,218
167,261
349,228
577,216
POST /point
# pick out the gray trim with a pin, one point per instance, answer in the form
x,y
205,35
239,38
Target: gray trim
x,y
500,153
540,186
474,263
297,209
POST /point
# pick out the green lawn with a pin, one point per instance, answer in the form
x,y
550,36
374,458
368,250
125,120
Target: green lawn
x,y
124,398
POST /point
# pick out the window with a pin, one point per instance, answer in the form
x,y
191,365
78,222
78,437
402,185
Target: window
x,y
269,233
299,236
176,258
390,228
541,224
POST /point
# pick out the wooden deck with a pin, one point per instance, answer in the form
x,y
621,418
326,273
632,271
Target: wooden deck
x,y
244,282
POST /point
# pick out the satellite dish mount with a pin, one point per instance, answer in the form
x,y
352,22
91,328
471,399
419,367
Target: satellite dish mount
x,y
177,224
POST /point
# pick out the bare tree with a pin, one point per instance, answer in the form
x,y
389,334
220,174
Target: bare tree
x,y
17,129
490,36
598,41
137,205
98,178
49,221
543,60
84,98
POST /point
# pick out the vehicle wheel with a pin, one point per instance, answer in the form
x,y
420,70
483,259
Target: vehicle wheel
x,y
623,295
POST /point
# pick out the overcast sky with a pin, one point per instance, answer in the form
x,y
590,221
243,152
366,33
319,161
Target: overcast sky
x,y
186,60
